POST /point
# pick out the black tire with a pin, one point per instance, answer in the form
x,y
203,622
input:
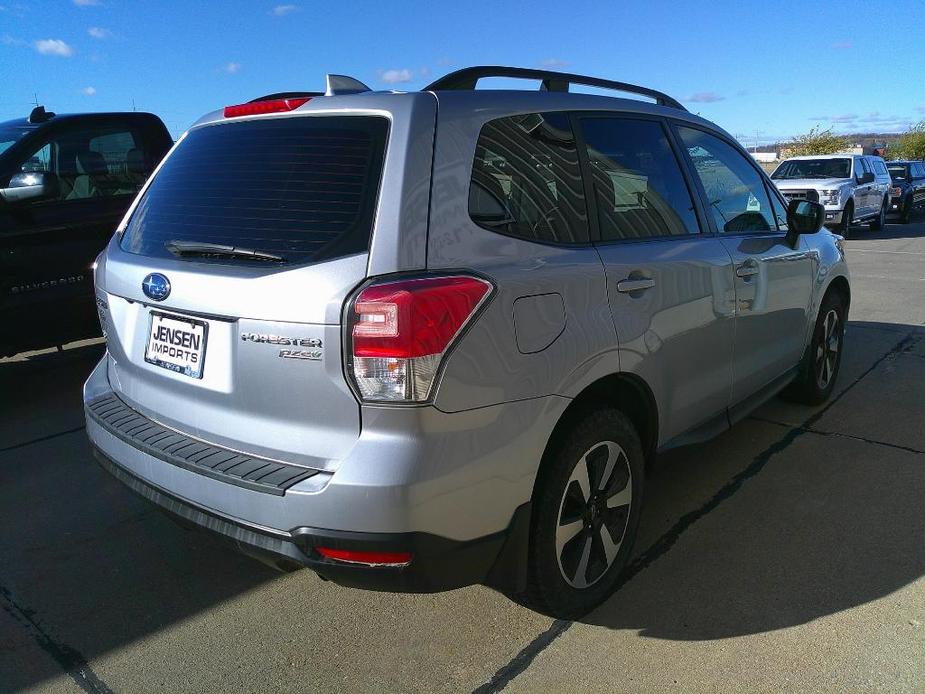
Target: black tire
x,y
906,215
844,227
819,370
570,568
879,222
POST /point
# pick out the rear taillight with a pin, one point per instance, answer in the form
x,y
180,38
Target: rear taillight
x,y
270,106
400,330
896,192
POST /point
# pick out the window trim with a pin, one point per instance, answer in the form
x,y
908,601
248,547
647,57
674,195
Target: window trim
x,y
589,236
584,161
769,187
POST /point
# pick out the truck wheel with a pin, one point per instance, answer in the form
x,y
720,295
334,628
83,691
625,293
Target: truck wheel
x,y
906,215
845,227
586,509
879,221
819,369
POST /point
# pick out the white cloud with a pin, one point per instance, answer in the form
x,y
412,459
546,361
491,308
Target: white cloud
x,y
283,10
53,47
554,63
89,91
705,98
845,118
8,40
86,3
232,68
395,76
99,33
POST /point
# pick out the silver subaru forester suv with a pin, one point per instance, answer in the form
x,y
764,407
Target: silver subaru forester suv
x,y
417,341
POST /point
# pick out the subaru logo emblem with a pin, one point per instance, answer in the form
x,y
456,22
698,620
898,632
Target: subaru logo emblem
x,y
156,286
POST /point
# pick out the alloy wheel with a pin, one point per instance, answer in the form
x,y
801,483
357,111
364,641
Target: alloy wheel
x,y
593,514
827,349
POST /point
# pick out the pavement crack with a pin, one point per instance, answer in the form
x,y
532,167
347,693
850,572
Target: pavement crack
x,y
839,434
519,663
70,660
40,439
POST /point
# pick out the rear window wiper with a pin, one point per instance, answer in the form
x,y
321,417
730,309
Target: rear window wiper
x,y
219,250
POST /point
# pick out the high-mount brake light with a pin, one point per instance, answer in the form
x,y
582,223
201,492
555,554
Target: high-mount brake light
x,y
399,331
368,558
255,108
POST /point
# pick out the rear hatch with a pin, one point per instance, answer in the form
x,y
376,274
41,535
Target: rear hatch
x,y
223,295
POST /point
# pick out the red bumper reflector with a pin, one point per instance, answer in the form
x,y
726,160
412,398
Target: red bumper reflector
x,y
368,558
272,106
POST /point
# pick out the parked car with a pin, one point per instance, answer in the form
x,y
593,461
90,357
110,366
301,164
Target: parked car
x,y
416,341
907,193
65,182
852,187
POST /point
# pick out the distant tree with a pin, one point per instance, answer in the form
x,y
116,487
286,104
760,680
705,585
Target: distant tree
x,y
911,145
817,141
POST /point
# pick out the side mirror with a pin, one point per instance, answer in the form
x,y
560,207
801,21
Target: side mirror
x,y
30,186
803,217
865,178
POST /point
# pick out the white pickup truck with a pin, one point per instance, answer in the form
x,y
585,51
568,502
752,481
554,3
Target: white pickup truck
x,y
852,187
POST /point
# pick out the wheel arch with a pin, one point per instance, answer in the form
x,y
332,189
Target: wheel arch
x,y
626,392
841,286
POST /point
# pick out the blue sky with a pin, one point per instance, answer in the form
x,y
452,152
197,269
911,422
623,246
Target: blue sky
x,y
775,67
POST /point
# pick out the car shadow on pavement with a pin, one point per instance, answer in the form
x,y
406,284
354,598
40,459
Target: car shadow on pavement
x,y
86,565
814,523
914,229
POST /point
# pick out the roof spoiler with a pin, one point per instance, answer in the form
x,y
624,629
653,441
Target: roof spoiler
x,y
342,84
550,81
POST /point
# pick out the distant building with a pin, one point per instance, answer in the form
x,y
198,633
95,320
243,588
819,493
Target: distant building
x,y
766,157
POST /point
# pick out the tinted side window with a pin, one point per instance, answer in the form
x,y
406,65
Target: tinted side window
x,y
780,212
880,167
735,191
919,170
526,181
638,186
92,163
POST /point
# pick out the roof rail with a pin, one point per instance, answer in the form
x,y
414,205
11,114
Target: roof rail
x,y
467,78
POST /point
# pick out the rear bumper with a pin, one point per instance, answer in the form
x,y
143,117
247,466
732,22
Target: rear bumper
x,y
451,489
437,563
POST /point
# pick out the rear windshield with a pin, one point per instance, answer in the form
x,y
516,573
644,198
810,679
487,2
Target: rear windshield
x,y
813,168
898,172
295,189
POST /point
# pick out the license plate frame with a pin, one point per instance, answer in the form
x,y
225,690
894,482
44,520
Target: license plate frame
x,y
157,317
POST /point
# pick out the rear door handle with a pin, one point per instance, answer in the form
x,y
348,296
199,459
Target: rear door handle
x,y
635,285
747,269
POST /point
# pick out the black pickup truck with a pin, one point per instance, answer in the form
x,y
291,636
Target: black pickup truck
x,y
65,183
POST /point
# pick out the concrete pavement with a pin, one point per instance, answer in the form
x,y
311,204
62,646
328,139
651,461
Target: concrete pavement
x,y
787,555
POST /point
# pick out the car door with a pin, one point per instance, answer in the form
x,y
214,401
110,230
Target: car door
x,y
773,281
670,286
918,183
50,244
883,179
863,205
